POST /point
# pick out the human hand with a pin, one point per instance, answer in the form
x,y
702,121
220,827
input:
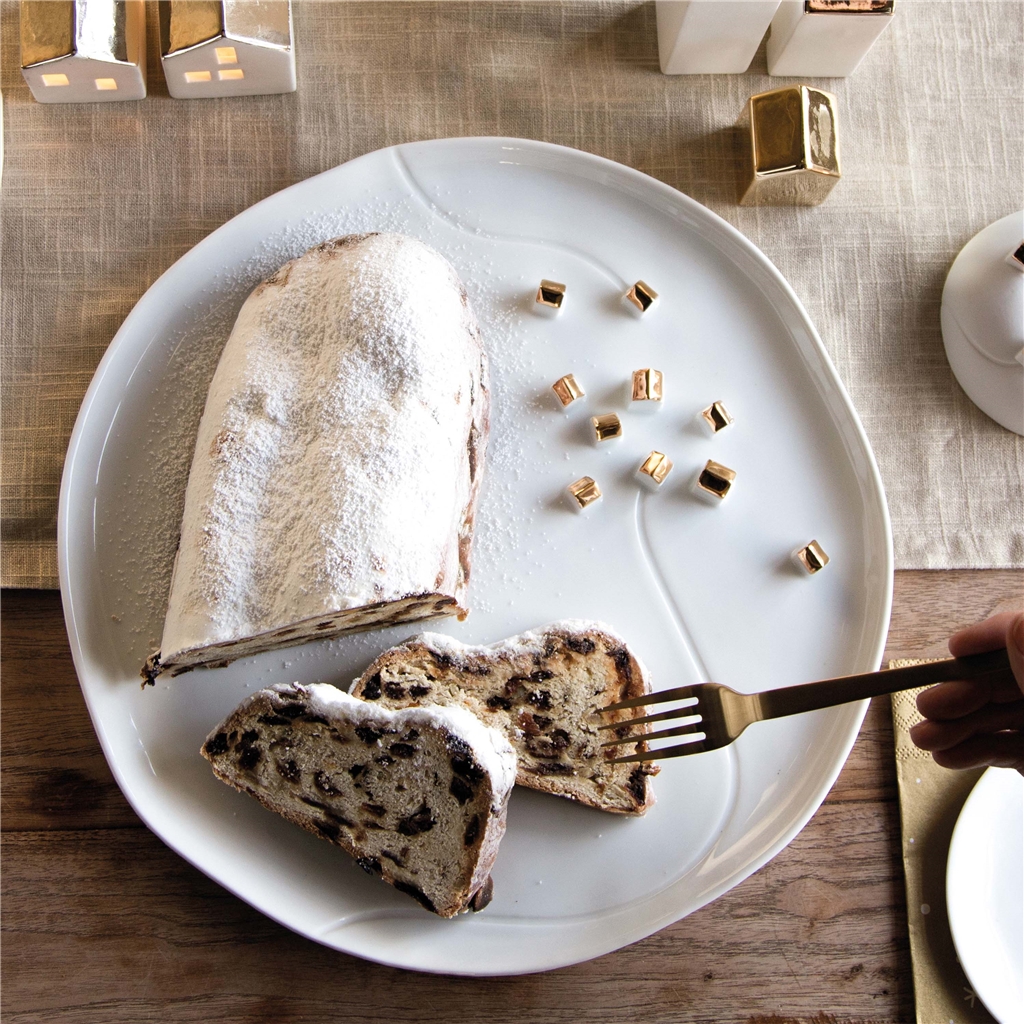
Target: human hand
x,y
971,723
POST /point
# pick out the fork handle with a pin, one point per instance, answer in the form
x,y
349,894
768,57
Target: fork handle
x,y
792,700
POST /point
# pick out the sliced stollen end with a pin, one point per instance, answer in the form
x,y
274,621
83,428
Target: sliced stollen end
x,y
338,460
543,689
418,797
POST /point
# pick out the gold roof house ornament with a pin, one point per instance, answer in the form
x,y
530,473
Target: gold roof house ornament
x,y
790,147
212,48
84,51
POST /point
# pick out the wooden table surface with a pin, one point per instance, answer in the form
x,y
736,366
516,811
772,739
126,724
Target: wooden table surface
x,y
102,923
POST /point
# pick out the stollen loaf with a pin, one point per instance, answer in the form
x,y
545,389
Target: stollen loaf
x,y
338,460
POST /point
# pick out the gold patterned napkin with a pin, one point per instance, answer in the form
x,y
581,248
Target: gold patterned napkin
x,y
930,802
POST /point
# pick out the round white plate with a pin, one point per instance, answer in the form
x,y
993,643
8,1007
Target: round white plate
x,y
700,591
985,892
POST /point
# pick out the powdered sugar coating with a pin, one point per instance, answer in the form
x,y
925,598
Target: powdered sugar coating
x,y
530,642
331,468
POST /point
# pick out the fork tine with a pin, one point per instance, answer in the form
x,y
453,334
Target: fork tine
x,y
679,693
660,717
680,750
682,730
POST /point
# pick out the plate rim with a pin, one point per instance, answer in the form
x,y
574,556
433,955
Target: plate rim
x,y
989,779
847,731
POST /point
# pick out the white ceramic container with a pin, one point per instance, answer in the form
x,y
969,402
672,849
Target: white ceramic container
x,y
983,322
823,44
702,37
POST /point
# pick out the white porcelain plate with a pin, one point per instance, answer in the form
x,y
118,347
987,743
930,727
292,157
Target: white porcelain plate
x,y
699,591
985,892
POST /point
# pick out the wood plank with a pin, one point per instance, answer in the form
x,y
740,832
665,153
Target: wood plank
x,y
55,775
139,935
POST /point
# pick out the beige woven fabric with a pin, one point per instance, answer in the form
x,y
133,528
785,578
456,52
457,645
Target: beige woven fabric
x,y
99,200
931,799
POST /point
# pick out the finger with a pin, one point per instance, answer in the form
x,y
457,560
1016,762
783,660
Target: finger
x,y
1015,648
991,718
1000,750
989,635
962,697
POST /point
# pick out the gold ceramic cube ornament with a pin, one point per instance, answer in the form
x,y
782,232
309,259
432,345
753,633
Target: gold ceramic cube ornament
x,y
715,479
584,491
656,467
567,389
811,558
642,296
716,416
607,427
790,147
648,386
551,294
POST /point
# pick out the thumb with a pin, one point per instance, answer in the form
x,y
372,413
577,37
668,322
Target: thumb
x,y
1015,648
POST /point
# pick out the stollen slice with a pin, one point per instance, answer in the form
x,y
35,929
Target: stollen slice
x,y
417,796
543,689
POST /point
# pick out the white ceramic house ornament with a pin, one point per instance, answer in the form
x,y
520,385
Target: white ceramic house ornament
x,y
84,51
825,38
212,48
708,37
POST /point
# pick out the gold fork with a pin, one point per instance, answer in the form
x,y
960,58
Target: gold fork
x,y
715,715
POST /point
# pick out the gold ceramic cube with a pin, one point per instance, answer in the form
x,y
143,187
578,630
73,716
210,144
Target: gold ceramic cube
x,y
1016,258
716,479
606,427
584,491
811,558
656,467
551,294
790,147
648,386
567,389
716,416
642,295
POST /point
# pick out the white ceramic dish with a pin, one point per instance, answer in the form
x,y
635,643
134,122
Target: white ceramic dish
x,y
701,592
985,892
982,318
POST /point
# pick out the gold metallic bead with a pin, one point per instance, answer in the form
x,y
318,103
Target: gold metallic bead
x,y
584,491
643,296
606,427
716,416
791,149
551,294
1016,258
567,389
716,479
812,557
648,386
656,466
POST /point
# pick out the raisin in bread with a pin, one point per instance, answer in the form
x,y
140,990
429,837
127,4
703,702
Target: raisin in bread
x,y
337,465
418,796
542,689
